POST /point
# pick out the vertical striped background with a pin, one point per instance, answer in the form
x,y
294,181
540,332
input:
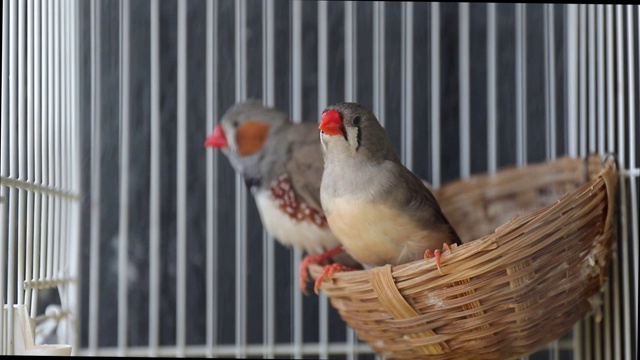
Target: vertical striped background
x,y
156,247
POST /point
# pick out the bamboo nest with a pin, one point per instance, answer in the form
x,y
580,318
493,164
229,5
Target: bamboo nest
x,y
536,252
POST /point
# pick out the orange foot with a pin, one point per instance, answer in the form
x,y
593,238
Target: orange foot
x,y
437,254
327,274
315,259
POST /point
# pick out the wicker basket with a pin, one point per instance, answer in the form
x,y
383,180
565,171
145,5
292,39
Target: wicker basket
x,y
537,249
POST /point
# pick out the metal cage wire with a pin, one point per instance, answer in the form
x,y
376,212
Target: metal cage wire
x,y
174,261
39,172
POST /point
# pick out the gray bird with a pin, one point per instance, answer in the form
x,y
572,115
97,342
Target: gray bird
x,y
380,211
281,164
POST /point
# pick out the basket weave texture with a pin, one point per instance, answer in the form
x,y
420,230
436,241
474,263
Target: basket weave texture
x,y
536,249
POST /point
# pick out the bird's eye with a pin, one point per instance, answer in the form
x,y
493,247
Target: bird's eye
x,y
356,121
235,124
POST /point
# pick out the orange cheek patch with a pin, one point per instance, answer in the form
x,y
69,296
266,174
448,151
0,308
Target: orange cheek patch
x,y
251,137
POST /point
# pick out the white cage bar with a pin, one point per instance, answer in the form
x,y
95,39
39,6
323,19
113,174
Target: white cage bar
x,y
39,179
154,189
211,169
309,54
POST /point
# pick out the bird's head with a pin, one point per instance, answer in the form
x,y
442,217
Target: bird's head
x,y
351,128
243,133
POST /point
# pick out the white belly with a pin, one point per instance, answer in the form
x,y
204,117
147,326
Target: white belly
x,y
301,234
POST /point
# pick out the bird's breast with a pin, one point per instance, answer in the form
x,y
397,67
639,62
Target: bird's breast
x,y
290,229
375,234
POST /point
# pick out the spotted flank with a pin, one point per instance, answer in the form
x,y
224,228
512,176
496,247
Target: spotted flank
x,y
288,202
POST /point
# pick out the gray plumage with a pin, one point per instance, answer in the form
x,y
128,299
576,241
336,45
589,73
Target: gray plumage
x,y
381,212
289,149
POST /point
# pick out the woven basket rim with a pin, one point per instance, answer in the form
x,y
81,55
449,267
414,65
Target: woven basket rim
x,y
488,241
496,293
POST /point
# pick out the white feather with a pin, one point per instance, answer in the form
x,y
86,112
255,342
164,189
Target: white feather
x,y
299,233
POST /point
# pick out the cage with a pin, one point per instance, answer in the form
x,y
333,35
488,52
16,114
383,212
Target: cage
x,y
121,235
40,194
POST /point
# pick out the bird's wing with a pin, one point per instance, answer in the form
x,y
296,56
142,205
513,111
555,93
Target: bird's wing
x,y
420,203
306,163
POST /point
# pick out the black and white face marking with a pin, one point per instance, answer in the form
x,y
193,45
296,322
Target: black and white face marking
x,y
352,135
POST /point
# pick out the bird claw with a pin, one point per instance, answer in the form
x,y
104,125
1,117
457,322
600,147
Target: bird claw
x,y
327,274
304,264
437,254
314,259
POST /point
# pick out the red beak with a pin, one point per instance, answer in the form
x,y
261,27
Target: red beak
x,y
331,123
217,139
